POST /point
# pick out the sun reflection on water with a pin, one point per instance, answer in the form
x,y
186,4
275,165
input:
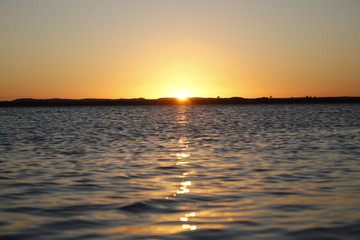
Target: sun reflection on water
x,y
186,219
182,159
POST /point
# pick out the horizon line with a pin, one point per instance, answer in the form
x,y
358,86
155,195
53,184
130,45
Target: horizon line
x,y
142,98
30,102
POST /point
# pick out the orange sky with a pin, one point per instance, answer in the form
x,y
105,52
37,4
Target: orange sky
x,y
153,49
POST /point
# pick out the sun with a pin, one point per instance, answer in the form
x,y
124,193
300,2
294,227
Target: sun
x,y
182,96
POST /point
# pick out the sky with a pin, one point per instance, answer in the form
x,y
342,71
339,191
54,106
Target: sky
x,y
164,48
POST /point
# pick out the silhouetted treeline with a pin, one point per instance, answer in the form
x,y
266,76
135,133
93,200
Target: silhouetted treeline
x,y
28,102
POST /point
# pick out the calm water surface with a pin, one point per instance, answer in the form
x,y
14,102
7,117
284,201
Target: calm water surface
x,y
180,172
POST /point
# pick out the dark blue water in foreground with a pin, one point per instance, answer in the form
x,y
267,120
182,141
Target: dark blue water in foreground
x,y
180,172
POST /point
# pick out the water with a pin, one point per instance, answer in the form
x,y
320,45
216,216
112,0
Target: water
x,y
180,172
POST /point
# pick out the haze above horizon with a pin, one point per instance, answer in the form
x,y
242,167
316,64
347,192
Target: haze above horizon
x,y
162,48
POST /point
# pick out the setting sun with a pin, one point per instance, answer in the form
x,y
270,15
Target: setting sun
x,y
182,96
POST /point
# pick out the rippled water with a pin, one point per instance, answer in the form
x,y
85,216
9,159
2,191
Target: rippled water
x,y
180,172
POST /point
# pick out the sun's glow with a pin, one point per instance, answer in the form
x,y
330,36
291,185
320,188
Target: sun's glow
x,y
182,96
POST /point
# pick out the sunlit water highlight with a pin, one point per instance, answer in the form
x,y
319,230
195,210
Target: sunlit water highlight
x,y
180,172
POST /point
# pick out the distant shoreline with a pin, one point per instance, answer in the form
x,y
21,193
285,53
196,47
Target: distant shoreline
x,y
27,102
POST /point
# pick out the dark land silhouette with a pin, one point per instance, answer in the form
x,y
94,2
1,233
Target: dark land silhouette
x,y
29,102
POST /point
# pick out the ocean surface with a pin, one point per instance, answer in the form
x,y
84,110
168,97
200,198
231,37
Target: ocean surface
x,y
180,172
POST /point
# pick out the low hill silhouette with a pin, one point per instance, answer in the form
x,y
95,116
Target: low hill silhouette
x,y
29,102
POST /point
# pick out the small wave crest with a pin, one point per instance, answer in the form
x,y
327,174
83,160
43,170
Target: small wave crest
x,y
152,206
